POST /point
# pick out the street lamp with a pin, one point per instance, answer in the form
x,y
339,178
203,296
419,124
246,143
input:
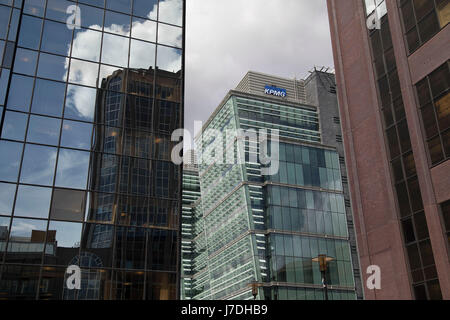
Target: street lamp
x,y
255,285
323,261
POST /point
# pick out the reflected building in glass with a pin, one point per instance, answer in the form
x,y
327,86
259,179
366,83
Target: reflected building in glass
x,y
90,94
250,226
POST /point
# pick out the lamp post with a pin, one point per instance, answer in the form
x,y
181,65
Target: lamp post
x,y
254,285
323,261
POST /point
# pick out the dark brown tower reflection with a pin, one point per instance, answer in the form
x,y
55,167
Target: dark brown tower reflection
x,y
130,238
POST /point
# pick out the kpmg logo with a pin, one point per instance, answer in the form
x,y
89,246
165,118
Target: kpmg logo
x,y
274,91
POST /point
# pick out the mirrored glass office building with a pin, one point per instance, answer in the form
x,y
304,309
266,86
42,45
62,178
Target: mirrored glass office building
x,y
254,227
90,92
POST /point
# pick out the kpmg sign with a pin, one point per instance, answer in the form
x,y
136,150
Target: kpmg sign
x,y
274,91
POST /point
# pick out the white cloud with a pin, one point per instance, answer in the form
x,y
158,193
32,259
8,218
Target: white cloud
x,y
225,39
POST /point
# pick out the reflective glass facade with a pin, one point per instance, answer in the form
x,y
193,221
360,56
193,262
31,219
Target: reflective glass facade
x,y
90,93
250,227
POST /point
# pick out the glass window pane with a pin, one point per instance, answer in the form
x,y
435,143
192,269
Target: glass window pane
x,y
57,10
115,50
10,160
80,103
28,230
25,62
117,23
44,130
67,235
32,202
48,98
34,7
86,45
84,73
52,67
143,29
30,32
38,165
4,20
171,11
56,38
92,18
72,169
20,93
7,192
145,8
119,5
68,205
169,59
76,135
14,125
142,55
170,35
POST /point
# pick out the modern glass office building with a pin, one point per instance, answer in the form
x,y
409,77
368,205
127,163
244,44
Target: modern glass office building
x,y
191,195
253,227
90,93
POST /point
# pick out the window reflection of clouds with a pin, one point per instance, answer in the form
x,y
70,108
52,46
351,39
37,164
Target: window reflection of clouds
x,y
170,35
87,45
83,72
43,130
171,11
91,17
145,8
169,59
14,126
72,169
56,38
7,192
117,23
115,48
143,29
20,91
38,165
10,160
143,62
80,103
52,67
48,98
25,61
34,7
119,5
30,32
76,135
22,228
33,202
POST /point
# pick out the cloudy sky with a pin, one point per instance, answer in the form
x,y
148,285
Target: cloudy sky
x,y
226,38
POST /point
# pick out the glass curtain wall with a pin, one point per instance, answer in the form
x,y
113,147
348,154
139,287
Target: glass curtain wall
x,y
90,92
